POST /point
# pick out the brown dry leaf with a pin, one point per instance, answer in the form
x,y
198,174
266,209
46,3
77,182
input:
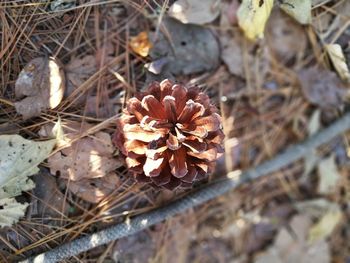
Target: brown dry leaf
x,y
190,49
88,163
194,11
89,157
95,189
290,249
182,229
137,248
39,86
322,87
141,44
237,52
286,38
50,201
78,71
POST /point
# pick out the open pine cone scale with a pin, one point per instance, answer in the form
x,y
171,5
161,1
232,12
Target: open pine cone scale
x,y
171,135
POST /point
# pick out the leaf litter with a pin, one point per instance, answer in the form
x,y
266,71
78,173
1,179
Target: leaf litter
x,y
87,165
39,86
323,88
190,49
252,68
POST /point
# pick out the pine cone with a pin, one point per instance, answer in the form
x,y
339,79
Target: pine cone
x,y
170,135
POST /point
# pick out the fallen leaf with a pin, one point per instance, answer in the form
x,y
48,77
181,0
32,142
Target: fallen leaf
x,y
322,87
50,201
181,230
314,208
88,163
194,11
329,176
290,249
39,86
138,248
190,48
88,157
325,226
286,38
57,131
314,123
95,189
236,52
19,159
156,66
78,70
252,17
140,44
300,10
336,54
327,213
11,211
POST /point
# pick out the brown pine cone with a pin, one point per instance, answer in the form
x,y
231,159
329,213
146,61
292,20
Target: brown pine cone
x,y
171,135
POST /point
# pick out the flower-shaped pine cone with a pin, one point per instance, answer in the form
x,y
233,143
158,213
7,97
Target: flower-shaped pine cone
x,y
170,135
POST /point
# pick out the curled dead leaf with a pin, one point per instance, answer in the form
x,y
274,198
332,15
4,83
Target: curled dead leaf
x,y
39,86
140,44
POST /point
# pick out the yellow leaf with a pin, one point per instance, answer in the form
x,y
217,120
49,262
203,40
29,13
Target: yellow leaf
x,y
336,54
325,226
252,17
141,44
300,10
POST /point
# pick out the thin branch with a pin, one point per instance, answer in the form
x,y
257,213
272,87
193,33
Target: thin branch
x,y
195,198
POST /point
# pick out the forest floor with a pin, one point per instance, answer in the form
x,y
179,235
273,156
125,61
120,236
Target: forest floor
x,y
274,85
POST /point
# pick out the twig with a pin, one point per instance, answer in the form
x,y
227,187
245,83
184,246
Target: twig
x,y
195,198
